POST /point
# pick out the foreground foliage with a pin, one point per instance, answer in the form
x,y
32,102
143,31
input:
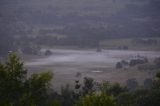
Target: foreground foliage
x,y
18,89
96,100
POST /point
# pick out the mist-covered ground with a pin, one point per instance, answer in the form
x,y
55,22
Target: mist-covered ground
x,y
65,64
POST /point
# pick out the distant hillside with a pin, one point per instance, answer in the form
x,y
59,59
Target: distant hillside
x,y
79,22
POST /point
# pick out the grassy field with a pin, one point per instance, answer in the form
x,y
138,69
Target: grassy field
x,y
131,44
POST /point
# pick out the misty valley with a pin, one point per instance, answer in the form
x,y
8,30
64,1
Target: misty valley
x,y
79,53
66,63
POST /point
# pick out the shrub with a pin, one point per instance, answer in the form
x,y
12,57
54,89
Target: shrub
x,y
48,52
96,100
157,62
132,84
135,62
119,65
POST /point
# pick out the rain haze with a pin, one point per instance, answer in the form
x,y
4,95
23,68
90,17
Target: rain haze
x,y
105,40
122,29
